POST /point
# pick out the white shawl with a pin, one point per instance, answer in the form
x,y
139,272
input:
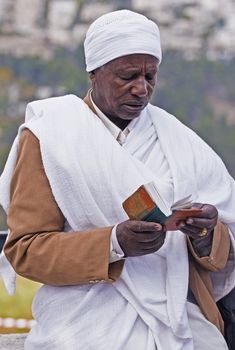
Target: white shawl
x,y
90,175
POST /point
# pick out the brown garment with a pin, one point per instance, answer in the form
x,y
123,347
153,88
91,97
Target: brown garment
x,y
199,278
39,249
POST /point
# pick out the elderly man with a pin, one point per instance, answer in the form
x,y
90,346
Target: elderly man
x,y
110,282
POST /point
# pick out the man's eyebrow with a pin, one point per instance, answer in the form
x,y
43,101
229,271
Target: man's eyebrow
x,y
134,69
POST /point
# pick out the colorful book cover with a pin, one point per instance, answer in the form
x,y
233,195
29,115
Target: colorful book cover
x,y
141,206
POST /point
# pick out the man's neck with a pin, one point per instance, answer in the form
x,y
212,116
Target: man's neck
x,y
120,123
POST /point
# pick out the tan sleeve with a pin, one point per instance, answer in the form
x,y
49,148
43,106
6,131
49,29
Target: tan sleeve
x,y
220,250
37,247
202,289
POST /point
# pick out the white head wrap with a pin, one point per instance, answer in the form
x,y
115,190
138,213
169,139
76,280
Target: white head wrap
x,y
120,33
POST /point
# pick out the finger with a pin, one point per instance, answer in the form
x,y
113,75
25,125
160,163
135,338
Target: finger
x,y
151,239
191,229
152,247
147,236
194,232
211,211
181,224
189,233
208,211
200,222
196,220
143,226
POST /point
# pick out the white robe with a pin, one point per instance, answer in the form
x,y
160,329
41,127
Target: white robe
x,y
91,175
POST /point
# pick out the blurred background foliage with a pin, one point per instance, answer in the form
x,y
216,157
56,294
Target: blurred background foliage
x,y
18,305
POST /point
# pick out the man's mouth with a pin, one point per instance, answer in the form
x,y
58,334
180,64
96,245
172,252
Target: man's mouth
x,y
135,106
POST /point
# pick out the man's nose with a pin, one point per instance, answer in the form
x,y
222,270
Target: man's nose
x,y
140,87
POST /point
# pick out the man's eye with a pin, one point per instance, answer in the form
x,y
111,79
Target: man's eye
x,y
149,77
126,77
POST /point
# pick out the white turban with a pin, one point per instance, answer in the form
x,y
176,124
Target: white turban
x,y
120,33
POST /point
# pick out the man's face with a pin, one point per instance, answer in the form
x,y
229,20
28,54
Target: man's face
x,y
122,88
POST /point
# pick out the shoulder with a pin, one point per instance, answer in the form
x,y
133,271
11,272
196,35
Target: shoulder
x,y
35,108
27,138
165,116
172,124
180,135
29,151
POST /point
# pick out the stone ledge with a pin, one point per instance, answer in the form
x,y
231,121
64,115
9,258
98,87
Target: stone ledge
x,y
12,341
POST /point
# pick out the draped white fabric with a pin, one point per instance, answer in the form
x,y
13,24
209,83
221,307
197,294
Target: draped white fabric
x,y
90,175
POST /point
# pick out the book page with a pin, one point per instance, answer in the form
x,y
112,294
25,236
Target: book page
x,y
184,203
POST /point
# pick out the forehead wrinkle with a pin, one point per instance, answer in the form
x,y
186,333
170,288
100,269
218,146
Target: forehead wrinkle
x,y
137,69
131,64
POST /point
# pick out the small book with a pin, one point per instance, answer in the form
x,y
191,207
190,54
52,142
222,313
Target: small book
x,y
141,205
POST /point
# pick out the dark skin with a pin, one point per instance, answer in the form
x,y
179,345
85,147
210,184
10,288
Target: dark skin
x,y
121,89
193,226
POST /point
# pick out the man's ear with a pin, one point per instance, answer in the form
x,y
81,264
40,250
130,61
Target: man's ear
x,y
92,76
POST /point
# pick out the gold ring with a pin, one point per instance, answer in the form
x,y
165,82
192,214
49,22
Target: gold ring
x,y
203,232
